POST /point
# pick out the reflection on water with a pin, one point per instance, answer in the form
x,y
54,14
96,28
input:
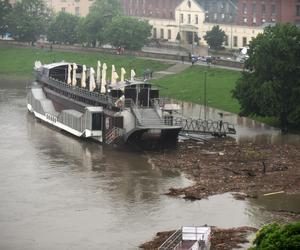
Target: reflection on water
x,y
247,130
59,192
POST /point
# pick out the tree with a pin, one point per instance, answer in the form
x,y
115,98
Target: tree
x,y
128,32
63,28
215,37
28,20
278,237
270,85
101,14
5,9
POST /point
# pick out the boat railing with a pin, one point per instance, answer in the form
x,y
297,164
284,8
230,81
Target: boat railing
x,y
129,103
106,99
218,128
156,106
162,101
113,134
173,241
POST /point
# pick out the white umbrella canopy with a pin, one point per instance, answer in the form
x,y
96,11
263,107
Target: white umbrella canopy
x,y
132,75
74,74
83,77
69,80
98,76
92,83
114,75
123,72
103,79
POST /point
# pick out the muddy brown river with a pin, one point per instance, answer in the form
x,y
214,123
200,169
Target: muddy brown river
x,y
59,192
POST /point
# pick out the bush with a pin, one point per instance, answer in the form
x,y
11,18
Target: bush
x,y
278,237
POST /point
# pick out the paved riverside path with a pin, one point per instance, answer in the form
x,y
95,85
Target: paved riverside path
x,y
175,69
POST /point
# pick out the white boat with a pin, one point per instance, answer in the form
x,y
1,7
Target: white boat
x,y
65,95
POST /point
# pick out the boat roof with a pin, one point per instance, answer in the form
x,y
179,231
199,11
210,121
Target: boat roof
x,y
54,65
120,85
95,109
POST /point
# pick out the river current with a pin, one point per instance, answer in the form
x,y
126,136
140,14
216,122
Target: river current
x,y
59,192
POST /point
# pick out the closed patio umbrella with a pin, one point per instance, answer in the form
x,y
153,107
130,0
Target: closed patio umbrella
x,y
83,76
103,79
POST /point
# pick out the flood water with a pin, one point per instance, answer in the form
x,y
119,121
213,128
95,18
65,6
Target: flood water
x,y
58,192
247,130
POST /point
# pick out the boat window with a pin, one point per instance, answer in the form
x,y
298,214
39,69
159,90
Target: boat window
x,y
59,73
96,121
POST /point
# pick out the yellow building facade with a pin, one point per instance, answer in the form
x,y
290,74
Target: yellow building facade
x,y
189,27
75,7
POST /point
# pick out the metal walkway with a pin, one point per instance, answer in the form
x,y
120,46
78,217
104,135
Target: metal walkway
x,y
199,126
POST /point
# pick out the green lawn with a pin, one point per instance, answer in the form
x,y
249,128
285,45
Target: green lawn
x,y
189,86
20,61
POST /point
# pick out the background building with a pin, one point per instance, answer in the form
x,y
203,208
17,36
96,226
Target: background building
x,y
239,12
164,9
75,7
188,28
258,12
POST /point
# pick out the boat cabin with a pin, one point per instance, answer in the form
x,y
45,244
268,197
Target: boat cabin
x,y
139,92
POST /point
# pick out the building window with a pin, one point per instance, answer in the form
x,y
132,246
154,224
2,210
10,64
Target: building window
x,y
63,9
273,8
226,40
189,18
263,8
181,18
171,14
77,1
169,34
196,19
235,41
263,20
77,13
298,10
244,8
244,41
254,20
162,33
154,33
245,20
254,8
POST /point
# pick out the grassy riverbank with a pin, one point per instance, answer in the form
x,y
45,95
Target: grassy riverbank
x,y
189,86
16,61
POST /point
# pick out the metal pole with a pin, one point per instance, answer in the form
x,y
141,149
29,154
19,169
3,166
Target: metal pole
x,y
193,43
205,95
231,38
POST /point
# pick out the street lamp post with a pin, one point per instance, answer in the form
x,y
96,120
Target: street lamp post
x,y
204,93
231,19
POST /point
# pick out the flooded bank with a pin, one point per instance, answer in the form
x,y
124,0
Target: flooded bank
x,y
58,192
247,130
280,202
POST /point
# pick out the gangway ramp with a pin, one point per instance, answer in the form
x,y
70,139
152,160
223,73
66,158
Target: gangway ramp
x,y
199,126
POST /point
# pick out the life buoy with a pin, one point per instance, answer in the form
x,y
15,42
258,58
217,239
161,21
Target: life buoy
x,y
119,104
